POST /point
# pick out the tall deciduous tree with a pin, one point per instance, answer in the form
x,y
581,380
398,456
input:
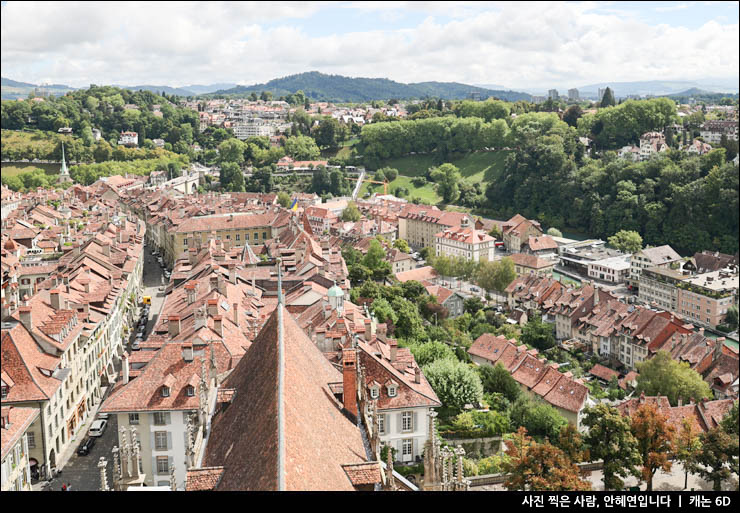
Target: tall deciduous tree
x,y
655,439
610,439
538,333
714,462
351,213
688,445
447,177
628,241
496,379
533,466
454,382
662,375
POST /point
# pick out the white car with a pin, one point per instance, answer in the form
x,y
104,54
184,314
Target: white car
x,y
97,428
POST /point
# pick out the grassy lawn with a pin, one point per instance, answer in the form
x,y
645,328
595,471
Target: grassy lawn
x,y
474,167
426,193
45,142
22,167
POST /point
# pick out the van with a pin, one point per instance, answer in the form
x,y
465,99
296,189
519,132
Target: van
x,y
147,300
98,427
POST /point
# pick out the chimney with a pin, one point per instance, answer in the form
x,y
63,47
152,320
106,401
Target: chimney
x,y
212,306
232,273
124,367
349,378
701,331
718,345
235,306
191,293
86,283
187,353
417,375
25,314
394,348
596,295
368,330
680,401
642,398
218,325
54,296
173,325
106,249
192,254
213,282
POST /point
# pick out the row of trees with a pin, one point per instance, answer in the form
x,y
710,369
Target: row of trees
x,y
638,445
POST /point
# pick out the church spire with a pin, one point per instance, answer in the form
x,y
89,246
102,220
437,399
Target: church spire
x,y
63,172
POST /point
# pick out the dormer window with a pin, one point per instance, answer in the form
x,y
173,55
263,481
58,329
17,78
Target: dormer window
x,y
4,391
190,390
374,392
165,391
392,391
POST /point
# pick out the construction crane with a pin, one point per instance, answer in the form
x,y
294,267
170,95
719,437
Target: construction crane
x,y
383,183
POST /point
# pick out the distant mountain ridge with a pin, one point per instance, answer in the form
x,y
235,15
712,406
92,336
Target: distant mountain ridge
x,y
338,88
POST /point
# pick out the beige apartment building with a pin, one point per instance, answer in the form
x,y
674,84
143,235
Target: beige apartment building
x,y
658,286
237,228
419,227
467,243
660,256
705,299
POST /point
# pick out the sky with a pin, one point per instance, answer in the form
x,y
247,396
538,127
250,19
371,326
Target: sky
x,y
519,45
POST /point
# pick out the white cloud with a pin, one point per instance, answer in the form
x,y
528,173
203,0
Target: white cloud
x,y
516,44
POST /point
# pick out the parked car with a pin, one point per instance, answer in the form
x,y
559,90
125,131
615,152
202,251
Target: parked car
x,y
86,446
103,416
474,289
135,345
98,427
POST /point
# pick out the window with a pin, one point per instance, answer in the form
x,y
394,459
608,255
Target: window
x,y
133,418
160,440
264,235
163,466
238,236
190,391
31,439
161,418
373,392
406,421
228,237
392,391
407,447
4,392
381,424
246,236
165,391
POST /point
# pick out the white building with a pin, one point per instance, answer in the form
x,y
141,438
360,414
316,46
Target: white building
x,y
128,139
614,270
16,472
256,128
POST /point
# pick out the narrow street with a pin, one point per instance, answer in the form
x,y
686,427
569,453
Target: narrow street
x,y
82,472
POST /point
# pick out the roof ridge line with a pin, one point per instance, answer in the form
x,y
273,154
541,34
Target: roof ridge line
x,y
281,410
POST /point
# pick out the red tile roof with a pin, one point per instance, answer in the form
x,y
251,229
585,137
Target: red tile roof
x,y
203,479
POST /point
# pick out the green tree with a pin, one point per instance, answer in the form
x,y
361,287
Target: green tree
x,y
732,317
572,114
351,213
554,232
473,305
572,444
496,379
610,439
402,245
231,177
496,232
266,96
231,150
662,375
284,199
608,99
496,275
447,178
538,334
302,147
375,255
627,241
427,352
537,416
714,462
454,382
383,311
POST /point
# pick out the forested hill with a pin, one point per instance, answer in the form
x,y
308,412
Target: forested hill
x,y
319,86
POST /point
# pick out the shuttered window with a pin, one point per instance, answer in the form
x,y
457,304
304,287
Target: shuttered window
x,y
160,440
406,421
163,466
381,424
